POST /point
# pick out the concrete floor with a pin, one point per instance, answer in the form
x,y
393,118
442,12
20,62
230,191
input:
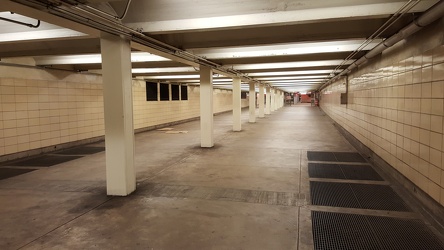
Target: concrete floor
x,y
251,191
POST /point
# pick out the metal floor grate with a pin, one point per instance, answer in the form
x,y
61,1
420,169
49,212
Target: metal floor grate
x,y
43,161
338,231
321,170
351,195
81,151
320,156
11,172
335,156
337,171
226,194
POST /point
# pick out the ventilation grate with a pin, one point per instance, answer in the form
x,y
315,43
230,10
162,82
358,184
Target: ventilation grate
x,y
81,151
43,161
360,172
349,157
320,156
337,171
321,170
351,195
11,172
334,156
337,231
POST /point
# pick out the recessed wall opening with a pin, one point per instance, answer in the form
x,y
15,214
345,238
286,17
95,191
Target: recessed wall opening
x,y
164,92
175,92
183,92
151,91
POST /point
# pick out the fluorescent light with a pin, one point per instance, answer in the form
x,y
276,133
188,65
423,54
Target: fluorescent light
x,y
296,81
173,77
163,70
289,64
300,72
284,49
93,58
146,57
292,77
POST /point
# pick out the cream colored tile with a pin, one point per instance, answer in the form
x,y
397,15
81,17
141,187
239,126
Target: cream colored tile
x,y
35,144
24,98
426,90
436,123
438,54
8,141
438,89
7,90
425,122
409,91
23,131
436,140
11,132
424,136
9,124
435,157
417,75
7,99
8,107
424,152
442,177
437,107
427,58
34,137
434,190
442,197
11,149
416,105
23,139
23,147
438,72
426,74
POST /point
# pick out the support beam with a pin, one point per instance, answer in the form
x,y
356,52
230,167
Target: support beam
x,y
237,107
268,102
206,107
119,129
252,105
261,101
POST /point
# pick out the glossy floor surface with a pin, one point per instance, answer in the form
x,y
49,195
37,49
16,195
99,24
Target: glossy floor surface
x,y
250,191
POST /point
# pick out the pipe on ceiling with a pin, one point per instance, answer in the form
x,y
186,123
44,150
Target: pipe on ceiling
x,y
431,15
30,25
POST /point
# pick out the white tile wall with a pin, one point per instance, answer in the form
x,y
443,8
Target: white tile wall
x,y
398,112
40,108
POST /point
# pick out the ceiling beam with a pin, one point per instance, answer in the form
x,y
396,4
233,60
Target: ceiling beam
x,y
171,23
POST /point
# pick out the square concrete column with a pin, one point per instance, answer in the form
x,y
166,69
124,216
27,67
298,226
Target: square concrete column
x,y
118,108
252,103
272,101
275,101
237,107
261,101
206,107
268,102
282,99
